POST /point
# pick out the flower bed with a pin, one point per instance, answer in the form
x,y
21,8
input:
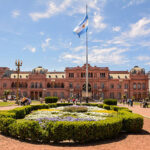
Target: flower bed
x,y
50,123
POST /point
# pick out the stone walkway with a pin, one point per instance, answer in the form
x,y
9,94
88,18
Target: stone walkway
x,y
145,112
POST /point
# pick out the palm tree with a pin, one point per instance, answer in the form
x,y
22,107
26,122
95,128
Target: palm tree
x,y
6,93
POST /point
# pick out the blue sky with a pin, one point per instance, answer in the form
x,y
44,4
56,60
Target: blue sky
x,y
40,32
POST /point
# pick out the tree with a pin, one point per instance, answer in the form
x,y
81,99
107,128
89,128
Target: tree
x,y
6,93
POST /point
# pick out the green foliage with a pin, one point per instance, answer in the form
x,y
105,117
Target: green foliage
x,y
6,114
4,125
64,104
90,104
100,105
80,131
131,122
106,107
25,129
117,108
75,109
84,131
110,101
51,99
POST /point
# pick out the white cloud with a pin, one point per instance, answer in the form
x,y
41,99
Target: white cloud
x,y
52,10
134,2
97,55
42,33
30,48
98,21
143,58
140,28
135,33
15,13
79,48
45,44
116,29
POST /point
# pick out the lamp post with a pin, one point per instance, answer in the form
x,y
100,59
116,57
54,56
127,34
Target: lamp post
x,y
18,64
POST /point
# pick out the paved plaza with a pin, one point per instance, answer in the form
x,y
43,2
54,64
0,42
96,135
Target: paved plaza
x,y
125,141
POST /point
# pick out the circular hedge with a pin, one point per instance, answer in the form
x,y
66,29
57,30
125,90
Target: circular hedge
x,y
13,124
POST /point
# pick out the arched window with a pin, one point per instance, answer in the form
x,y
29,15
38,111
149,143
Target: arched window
x,y
139,86
102,85
36,85
12,85
32,85
134,86
62,85
70,85
41,85
48,85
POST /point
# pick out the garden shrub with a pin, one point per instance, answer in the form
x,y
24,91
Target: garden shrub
x,y
4,125
100,105
90,104
6,114
79,131
64,104
117,108
51,99
84,131
110,101
131,122
25,129
106,107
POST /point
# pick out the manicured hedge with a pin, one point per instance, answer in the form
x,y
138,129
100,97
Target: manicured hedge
x,y
51,99
110,101
84,131
80,131
131,122
4,125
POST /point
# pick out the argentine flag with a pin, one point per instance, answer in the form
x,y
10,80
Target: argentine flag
x,y
82,27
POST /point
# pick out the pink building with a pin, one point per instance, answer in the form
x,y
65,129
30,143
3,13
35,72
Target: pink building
x,y
102,82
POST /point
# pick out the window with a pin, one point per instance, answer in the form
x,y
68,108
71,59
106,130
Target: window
x,y
90,75
119,95
32,85
70,85
111,95
95,86
139,86
118,77
49,76
14,76
26,76
4,85
126,86
102,75
71,75
82,75
20,76
112,86
56,76
102,85
62,94
41,85
119,86
48,94
55,94
78,86
126,77
134,86
62,76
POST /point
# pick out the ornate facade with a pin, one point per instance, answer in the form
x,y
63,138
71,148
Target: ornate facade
x,y
102,82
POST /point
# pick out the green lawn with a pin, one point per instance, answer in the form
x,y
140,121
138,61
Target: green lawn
x,y
6,104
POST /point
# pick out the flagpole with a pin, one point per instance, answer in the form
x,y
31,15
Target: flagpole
x,y
87,57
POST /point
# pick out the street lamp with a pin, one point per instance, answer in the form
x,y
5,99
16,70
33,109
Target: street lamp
x,y
18,64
